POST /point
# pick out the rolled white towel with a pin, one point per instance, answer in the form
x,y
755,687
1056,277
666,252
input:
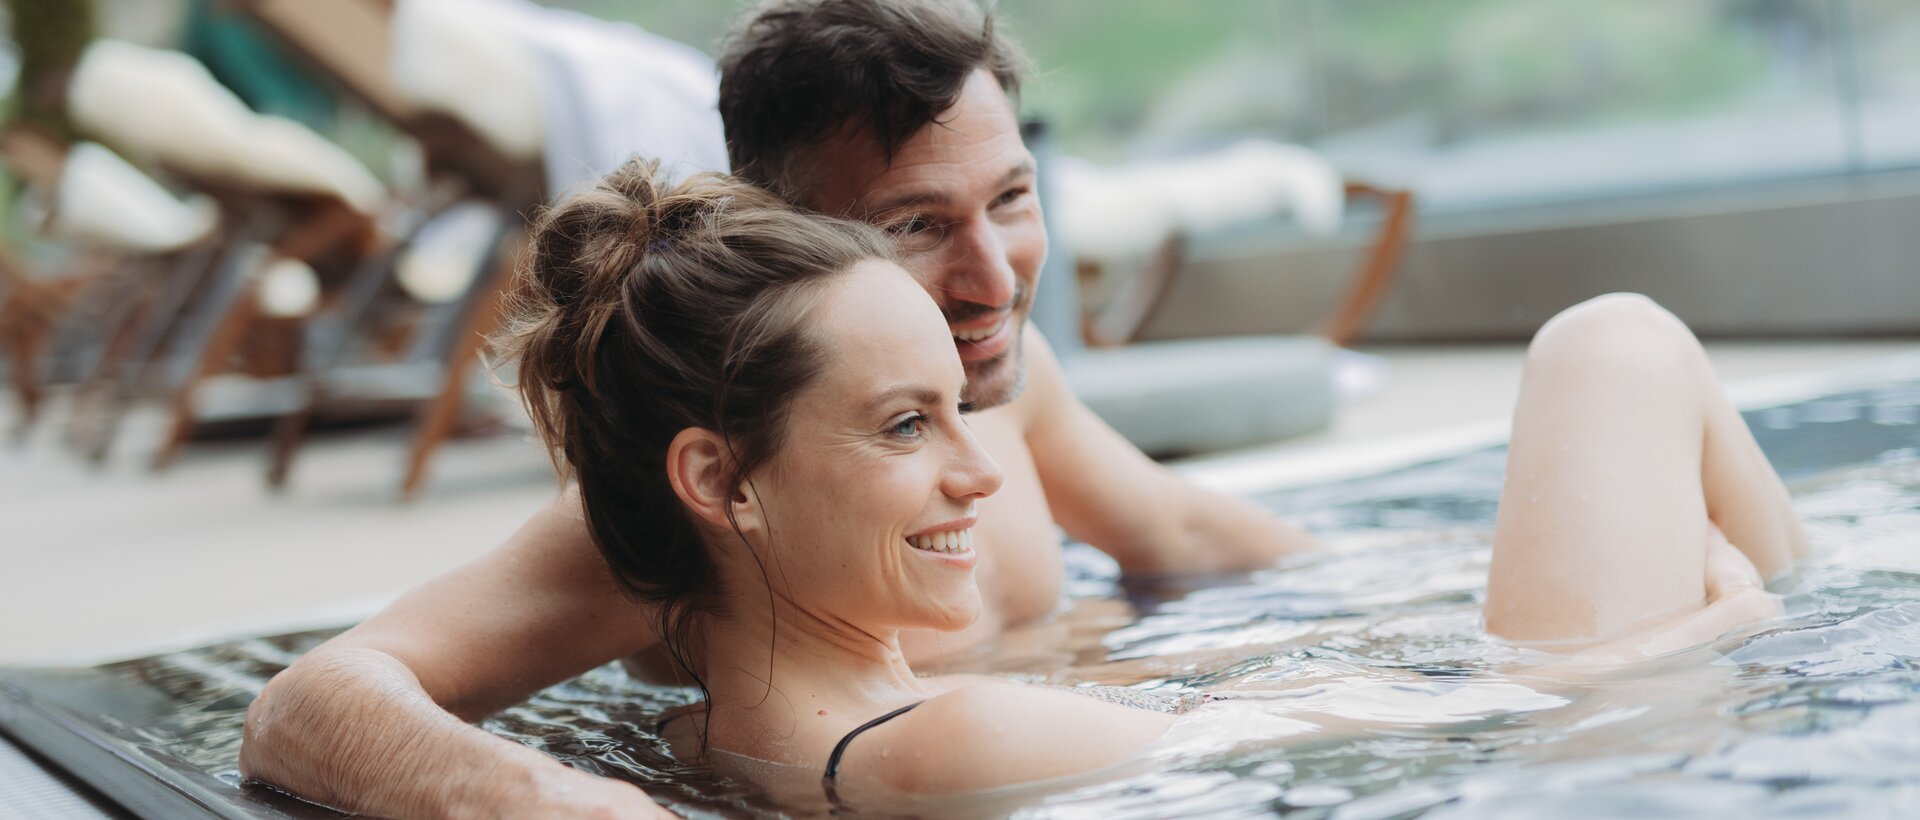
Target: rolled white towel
x,y
163,106
446,254
1114,213
287,288
463,60
104,200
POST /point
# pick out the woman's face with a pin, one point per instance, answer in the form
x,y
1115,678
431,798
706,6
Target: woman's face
x,y
869,504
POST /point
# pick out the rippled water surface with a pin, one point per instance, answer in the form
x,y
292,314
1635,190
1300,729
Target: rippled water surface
x,y
1814,714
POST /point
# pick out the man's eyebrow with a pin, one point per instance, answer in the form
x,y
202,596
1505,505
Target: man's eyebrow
x,y
1020,169
913,199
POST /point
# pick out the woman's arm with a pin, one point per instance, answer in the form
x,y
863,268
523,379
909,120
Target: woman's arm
x,y
374,720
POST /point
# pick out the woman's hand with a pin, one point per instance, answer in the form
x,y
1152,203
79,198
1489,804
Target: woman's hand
x,y
1729,572
1735,596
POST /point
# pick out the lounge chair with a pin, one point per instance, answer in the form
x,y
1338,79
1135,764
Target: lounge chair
x,y
288,201
448,265
552,120
1199,395
126,233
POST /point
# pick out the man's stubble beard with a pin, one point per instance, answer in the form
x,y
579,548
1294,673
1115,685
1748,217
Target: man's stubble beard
x,y
998,381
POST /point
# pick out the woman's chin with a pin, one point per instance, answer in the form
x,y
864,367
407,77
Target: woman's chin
x,y
958,614
959,622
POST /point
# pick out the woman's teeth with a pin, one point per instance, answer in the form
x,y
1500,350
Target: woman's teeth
x,y
983,333
950,541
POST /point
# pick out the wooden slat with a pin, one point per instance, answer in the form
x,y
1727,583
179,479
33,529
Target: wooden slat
x,y
1375,274
350,39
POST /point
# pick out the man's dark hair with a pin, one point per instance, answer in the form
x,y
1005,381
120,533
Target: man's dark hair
x,y
797,71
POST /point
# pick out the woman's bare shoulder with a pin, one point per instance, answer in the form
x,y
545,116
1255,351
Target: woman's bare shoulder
x,y
990,734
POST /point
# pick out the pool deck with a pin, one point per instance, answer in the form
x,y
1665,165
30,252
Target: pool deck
x,y
97,564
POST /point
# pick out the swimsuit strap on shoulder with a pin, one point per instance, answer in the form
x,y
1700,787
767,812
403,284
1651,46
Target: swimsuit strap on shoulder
x,y
833,760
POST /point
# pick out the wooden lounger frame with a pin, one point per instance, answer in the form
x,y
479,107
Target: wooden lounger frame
x,y
351,42
1135,305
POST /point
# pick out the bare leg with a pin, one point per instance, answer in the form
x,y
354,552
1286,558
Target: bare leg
x,y
1626,463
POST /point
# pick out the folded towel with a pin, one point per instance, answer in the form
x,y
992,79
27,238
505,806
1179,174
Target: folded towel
x,y
589,94
444,51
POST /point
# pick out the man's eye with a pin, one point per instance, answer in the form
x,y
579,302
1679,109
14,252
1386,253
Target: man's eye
x,y
1011,196
918,224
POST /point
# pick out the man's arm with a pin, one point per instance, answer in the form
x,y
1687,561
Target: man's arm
x,y
1104,491
375,719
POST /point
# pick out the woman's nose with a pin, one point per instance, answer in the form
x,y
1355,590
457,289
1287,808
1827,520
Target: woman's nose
x,y
971,473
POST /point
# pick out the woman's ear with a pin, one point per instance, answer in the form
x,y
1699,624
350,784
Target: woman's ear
x,y
701,472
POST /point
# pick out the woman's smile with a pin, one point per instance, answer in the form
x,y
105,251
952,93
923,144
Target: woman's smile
x,y
949,543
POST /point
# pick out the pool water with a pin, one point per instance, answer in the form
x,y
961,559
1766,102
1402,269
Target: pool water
x,y
1814,714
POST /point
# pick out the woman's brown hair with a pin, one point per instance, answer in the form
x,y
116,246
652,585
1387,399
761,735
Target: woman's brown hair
x,y
648,308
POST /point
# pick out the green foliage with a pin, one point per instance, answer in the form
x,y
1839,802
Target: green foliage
x,y
50,35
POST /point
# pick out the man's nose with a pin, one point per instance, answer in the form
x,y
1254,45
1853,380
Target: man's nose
x,y
971,473
976,268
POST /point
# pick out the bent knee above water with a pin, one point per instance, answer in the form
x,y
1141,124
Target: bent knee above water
x,y
1614,330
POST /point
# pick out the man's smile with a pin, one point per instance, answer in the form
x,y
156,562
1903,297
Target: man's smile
x,y
984,339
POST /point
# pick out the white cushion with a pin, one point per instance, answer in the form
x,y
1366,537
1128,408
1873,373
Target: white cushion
x,y
163,106
104,200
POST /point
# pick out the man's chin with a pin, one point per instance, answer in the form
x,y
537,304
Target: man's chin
x,y
999,380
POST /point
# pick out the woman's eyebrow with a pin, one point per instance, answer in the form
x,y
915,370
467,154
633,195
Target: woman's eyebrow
x,y
918,393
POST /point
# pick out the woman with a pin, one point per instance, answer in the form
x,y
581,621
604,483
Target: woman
x,y
763,414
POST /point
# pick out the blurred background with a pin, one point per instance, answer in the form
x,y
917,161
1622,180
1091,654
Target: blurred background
x,y
251,247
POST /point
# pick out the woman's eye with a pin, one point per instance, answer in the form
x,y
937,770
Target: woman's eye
x,y
910,427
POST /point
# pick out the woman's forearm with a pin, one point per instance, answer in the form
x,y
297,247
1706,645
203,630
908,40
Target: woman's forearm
x,y
352,728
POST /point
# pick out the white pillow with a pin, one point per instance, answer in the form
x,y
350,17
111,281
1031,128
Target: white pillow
x,y
104,200
445,256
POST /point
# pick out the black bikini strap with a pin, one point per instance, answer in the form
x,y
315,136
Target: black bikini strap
x,y
833,760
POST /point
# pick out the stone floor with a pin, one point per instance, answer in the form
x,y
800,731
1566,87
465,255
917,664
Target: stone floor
x,y
118,561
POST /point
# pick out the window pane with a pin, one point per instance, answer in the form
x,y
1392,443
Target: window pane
x,y
1888,38
1120,78
1481,101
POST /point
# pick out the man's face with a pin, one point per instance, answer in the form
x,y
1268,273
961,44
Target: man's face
x,y
960,199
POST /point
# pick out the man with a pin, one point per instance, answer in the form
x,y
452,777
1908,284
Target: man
x,y
896,112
